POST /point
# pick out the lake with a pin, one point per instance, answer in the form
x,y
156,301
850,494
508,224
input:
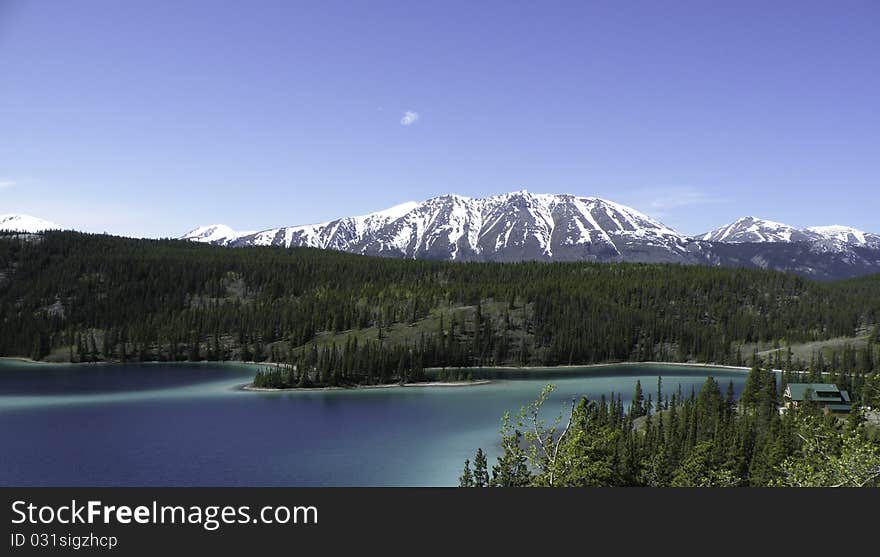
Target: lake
x,y
189,425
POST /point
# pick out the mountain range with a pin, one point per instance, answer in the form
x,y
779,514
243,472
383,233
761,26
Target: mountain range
x,y
828,238
511,227
524,226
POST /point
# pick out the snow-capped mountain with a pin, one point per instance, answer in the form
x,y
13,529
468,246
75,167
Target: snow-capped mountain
x,y
838,235
340,234
214,234
509,227
824,238
754,229
25,223
522,226
818,251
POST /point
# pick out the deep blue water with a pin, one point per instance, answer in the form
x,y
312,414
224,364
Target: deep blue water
x,y
188,425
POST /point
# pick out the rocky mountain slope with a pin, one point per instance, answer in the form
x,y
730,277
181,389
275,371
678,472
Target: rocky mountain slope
x,y
510,227
523,226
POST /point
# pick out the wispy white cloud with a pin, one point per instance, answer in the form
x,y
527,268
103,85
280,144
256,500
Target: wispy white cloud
x,y
5,184
670,199
409,118
686,209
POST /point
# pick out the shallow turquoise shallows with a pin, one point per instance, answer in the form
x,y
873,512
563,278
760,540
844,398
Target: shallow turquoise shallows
x,y
189,425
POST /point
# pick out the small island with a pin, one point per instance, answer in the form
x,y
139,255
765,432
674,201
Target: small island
x,y
476,382
318,375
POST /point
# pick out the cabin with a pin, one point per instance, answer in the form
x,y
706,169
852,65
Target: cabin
x,y
825,395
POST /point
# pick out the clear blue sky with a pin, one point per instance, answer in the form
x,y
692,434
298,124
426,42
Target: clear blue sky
x,y
151,117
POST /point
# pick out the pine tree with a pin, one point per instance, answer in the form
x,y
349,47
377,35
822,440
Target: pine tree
x,y
466,479
637,409
659,399
481,472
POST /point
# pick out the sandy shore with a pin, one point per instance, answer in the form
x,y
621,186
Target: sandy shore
x,y
585,366
617,364
21,360
249,386
513,369
24,360
613,364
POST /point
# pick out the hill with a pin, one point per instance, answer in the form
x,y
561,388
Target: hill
x,y
67,296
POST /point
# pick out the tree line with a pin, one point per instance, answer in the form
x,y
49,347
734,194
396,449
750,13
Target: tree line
x,y
704,439
67,296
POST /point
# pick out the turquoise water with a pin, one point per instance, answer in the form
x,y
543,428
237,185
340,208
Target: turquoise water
x,y
189,425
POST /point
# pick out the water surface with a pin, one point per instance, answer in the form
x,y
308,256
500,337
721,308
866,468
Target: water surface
x,y
189,425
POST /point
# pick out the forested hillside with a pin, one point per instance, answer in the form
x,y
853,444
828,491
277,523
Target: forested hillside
x,y
347,319
705,439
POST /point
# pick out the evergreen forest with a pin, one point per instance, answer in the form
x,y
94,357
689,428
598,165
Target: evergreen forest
x,y
330,318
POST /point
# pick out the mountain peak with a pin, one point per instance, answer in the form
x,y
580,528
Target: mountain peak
x,y
396,211
522,225
17,222
824,238
214,234
753,229
845,235
515,226
526,226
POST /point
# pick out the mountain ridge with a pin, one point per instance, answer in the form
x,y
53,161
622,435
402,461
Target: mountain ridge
x,y
753,229
525,226
516,225
576,220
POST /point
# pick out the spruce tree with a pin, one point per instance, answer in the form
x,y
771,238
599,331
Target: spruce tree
x,y
481,472
466,479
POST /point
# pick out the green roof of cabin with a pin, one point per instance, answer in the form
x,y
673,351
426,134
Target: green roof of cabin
x,y
798,392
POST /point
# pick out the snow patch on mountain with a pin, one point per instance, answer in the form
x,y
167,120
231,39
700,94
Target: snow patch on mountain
x,y
754,229
25,223
835,238
513,226
524,226
214,234
846,235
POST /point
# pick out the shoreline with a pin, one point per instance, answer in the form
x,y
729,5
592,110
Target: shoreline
x,y
20,359
249,387
478,382
24,360
615,364
609,364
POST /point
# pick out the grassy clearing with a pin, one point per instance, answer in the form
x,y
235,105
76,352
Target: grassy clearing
x,y
409,333
805,351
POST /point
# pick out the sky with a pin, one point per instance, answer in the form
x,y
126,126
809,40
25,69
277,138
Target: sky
x,y
149,118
